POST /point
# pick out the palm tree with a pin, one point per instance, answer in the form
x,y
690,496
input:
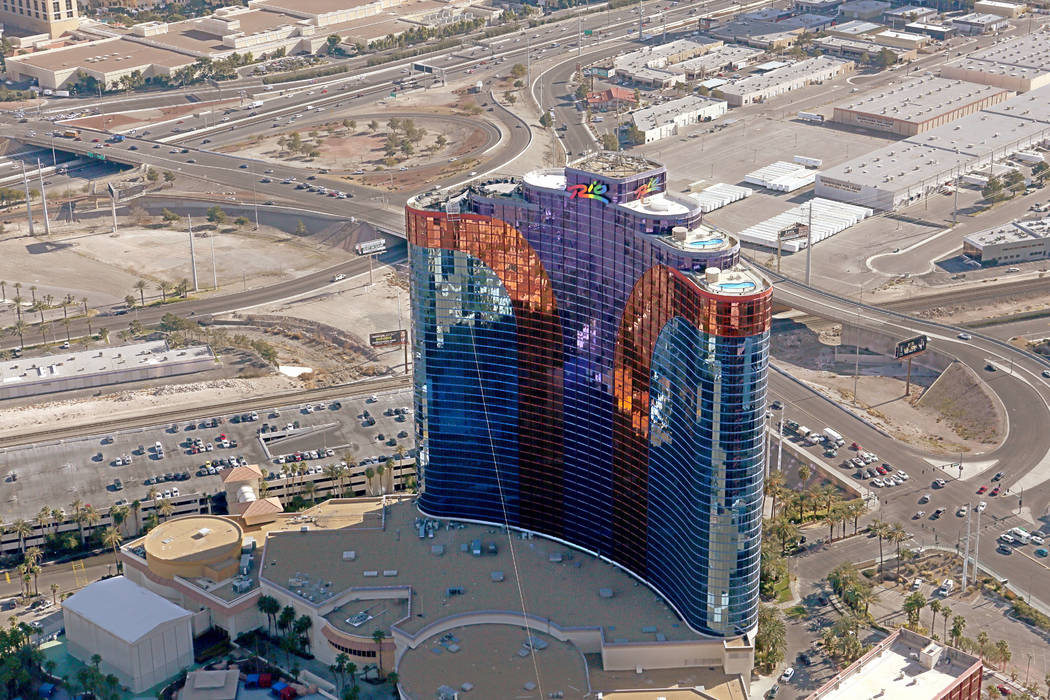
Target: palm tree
x,y
774,485
1002,652
804,473
301,631
913,605
165,508
43,517
879,528
136,506
119,515
23,530
351,670
369,475
269,606
377,637
103,335
897,535
151,494
32,291
91,516
141,286
284,626
164,287
112,538
308,489
935,610
19,329
3,290
18,301
33,558
958,625
982,644
54,593
946,612
77,508
857,508
831,519
83,300
392,678
44,328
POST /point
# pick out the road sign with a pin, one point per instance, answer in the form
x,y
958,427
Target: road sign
x,y
909,347
386,339
588,32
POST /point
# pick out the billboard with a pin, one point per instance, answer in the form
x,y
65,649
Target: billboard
x,y
386,339
376,245
909,347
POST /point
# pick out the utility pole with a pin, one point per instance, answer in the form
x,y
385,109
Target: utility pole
x,y
809,245
579,36
214,270
966,552
193,259
640,15
43,197
29,208
856,345
976,546
113,204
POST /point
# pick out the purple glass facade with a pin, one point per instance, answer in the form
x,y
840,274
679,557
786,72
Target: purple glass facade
x,y
578,377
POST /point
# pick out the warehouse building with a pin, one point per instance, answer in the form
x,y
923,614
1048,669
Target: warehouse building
x,y
918,105
1003,9
1016,242
142,638
663,120
855,29
761,34
70,370
658,66
1019,64
904,172
897,17
864,9
861,49
901,40
976,23
726,58
759,88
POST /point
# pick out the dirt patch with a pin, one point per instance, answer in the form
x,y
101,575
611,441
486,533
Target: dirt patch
x,y
349,145
969,409
145,117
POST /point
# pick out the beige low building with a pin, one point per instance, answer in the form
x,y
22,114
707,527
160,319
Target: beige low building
x,y
242,484
1003,9
107,61
51,17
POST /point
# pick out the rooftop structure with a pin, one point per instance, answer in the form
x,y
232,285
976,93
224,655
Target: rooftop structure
x,y
140,636
210,685
902,172
1019,63
919,104
80,369
759,88
199,546
762,34
664,119
907,666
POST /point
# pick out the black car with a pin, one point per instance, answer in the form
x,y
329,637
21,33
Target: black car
x,y
937,514
803,658
776,405
1003,549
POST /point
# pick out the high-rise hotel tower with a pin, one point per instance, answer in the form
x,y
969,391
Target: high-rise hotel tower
x,y
590,365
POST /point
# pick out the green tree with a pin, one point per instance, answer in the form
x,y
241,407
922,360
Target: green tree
x,y
216,215
373,126
581,93
300,228
270,607
152,175
546,121
609,141
913,605
958,626
771,637
518,70
241,221
169,176
141,287
886,58
169,216
332,43
377,637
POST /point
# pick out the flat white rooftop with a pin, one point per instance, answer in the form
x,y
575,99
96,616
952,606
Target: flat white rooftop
x,y
657,205
893,670
25,370
548,179
921,99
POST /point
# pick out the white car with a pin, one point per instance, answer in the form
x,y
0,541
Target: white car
x,y
963,510
787,675
964,336
1036,539
924,498
981,506
916,584
876,482
903,475
1007,538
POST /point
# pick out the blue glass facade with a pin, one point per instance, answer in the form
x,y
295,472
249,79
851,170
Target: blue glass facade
x,y
581,374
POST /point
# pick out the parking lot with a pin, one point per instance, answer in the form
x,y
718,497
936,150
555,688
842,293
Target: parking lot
x,y
185,457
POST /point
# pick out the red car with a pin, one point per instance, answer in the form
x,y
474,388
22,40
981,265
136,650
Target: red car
x,y
995,491
882,470
1005,689
982,489
854,446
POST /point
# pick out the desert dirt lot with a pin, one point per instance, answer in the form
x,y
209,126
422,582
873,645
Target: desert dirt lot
x,y
86,259
343,148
